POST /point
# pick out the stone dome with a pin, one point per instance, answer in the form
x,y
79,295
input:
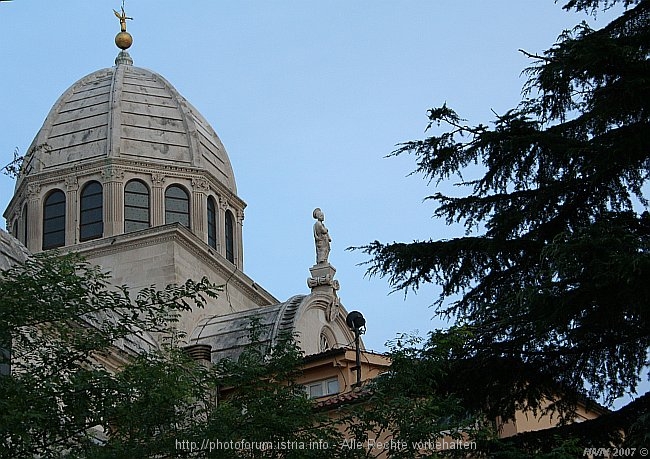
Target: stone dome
x,y
127,113
121,151
12,251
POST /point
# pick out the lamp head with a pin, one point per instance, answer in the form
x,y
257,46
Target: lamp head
x,y
356,322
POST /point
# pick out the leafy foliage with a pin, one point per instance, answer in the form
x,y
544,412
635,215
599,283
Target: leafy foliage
x,y
410,408
20,164
64,319
551,276
88,382
262,403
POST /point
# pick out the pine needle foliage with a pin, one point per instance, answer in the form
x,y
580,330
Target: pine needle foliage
x,y
553,270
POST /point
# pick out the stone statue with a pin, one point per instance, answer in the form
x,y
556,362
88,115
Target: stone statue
x,y
321,238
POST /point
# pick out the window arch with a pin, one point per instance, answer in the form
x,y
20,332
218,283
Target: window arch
x,y
91,212
230,237
327,339
324,344
54,220
177,205
136,206
212,223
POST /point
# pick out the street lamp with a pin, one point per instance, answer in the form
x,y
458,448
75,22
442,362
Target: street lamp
x,y
357,323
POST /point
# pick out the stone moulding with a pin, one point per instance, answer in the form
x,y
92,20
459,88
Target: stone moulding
x,y
97,168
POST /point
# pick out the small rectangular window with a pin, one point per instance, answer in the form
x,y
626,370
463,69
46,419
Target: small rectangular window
x,y
316,390
333,386
322,388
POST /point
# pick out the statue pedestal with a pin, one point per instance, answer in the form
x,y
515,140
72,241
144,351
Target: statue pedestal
x,y
323,284
322,270
322,278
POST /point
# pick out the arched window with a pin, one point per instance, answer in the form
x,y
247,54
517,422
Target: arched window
x,y
212,223
324,343
230,237
177,205
136,206
54,220
25,221
91,212
327,338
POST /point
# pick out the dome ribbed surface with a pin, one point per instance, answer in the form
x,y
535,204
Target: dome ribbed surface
x,y
229,334
128,113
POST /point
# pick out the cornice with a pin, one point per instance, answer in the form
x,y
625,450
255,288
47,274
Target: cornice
x,y
99,167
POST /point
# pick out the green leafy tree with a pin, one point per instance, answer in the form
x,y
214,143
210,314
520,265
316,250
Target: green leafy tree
x,y
72,391
159,404
262,405
63,400
63,320
550,281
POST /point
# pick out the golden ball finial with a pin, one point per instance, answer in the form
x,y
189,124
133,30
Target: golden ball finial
x,y
123,40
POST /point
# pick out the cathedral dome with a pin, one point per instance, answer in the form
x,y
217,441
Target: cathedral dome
x,y
121,151
131,114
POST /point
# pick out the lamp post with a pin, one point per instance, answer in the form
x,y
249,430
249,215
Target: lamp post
x,y
357,323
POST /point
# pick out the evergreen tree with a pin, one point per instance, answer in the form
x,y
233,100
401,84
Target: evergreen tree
x,y
550,283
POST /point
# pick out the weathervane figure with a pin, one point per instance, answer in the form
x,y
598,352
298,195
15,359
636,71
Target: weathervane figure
x,y
122,17
123,40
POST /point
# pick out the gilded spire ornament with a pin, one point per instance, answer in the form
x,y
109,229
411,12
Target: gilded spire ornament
x,y
123,40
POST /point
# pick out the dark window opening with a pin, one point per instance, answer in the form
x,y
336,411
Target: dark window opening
x,y
54,220
230,238
212,223
91,214
177,206
136,206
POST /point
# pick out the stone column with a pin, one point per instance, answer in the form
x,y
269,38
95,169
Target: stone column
x,y
239,239
71,226
35,225
157,199
113,195
221,228
199,214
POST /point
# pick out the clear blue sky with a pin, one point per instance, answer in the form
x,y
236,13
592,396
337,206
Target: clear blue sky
x,y
308,98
